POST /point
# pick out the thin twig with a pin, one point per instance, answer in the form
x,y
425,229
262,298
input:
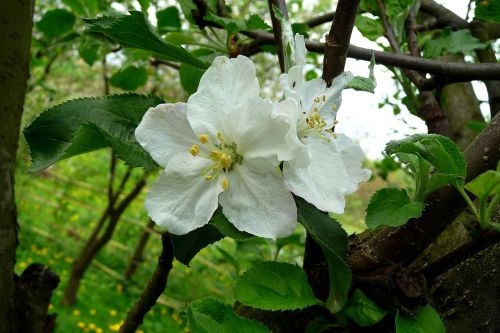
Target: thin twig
x,y
453,71
154,289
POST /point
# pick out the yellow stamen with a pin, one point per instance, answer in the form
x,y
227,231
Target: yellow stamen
x,y
334,135
225,184
203,138
324,98
216,154
335,122
194,150
334,107
208,177
317,100
226,160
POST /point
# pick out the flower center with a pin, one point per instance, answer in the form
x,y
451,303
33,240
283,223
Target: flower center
x,y
222,154
314,125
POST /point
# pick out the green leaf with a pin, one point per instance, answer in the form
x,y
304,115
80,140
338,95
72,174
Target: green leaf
x,y
442,153
144,5
392,207
209,315
76,6
89,51
477,126
130,78
452,42
187,246
365,83
426,320
362,84
82,125
179,38
56,22
190,77
272,285
300,28
318,325
255,22
231,25
188,7
333,242
134,31
362,310
488,10
168,20
369,28
484,185
228,229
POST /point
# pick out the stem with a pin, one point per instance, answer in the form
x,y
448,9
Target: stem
x,y
491,207
469,202
154,289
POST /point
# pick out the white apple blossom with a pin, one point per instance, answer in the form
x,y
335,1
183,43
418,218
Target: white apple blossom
x,y
223,146
334,169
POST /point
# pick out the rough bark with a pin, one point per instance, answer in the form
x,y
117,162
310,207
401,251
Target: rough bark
x,y
15,40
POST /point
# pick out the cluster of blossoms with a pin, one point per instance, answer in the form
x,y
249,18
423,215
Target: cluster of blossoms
x,y
229,146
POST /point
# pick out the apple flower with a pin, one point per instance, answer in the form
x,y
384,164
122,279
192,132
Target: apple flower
x,y
335,160
223,146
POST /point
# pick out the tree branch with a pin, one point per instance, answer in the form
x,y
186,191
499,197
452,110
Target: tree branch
x,y
319,20
337,40
454,71
444,16
278,33
154,289
401,245
461,253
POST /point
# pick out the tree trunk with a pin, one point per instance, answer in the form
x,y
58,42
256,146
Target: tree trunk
x,y
15,40
24,300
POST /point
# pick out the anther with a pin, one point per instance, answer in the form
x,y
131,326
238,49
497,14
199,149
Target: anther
x,y
194,150
203,138
334,107
208,177
225,184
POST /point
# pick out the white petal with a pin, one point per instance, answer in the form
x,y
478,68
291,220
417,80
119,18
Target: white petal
x,y
333,95
300,50
352,156
292,82
260,204
332,173
225,86
181,200
261,132
164,131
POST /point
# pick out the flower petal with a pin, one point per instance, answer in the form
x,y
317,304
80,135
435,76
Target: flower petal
x,y
332,173
333,96
164,131
225,86
300,50
260,204
181,200
259,131
352,156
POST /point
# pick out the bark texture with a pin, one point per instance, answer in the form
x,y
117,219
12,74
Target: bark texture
x,y
15,41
